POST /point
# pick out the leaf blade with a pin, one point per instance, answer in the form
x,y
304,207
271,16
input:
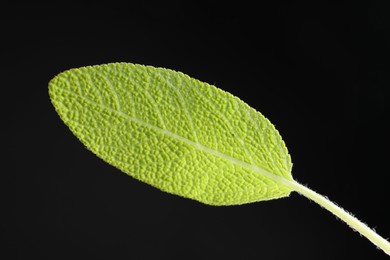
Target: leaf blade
x,y
174,132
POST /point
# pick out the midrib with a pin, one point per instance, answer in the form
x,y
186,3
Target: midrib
x,y
276,178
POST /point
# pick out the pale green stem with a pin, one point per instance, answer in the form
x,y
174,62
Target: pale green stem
x,y
353,222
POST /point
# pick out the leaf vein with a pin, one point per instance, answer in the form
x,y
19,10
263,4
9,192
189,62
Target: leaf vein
x,y
236,134
183,103
149,96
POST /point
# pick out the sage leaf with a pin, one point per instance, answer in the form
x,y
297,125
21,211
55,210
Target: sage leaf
x,y
181,135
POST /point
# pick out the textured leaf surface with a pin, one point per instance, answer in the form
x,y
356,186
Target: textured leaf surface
x,y
174,132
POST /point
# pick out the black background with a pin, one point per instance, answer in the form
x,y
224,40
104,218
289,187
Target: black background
x,y
319,71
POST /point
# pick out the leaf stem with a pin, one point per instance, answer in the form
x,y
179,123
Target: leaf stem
x,y
351,221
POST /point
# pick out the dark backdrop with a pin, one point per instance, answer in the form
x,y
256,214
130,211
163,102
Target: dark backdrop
x,y
319,71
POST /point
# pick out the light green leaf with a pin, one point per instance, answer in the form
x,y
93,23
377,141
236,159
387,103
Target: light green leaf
x,y
174,132
183,136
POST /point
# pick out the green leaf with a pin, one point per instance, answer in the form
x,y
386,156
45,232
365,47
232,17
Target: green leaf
x,y
182,136
174,132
